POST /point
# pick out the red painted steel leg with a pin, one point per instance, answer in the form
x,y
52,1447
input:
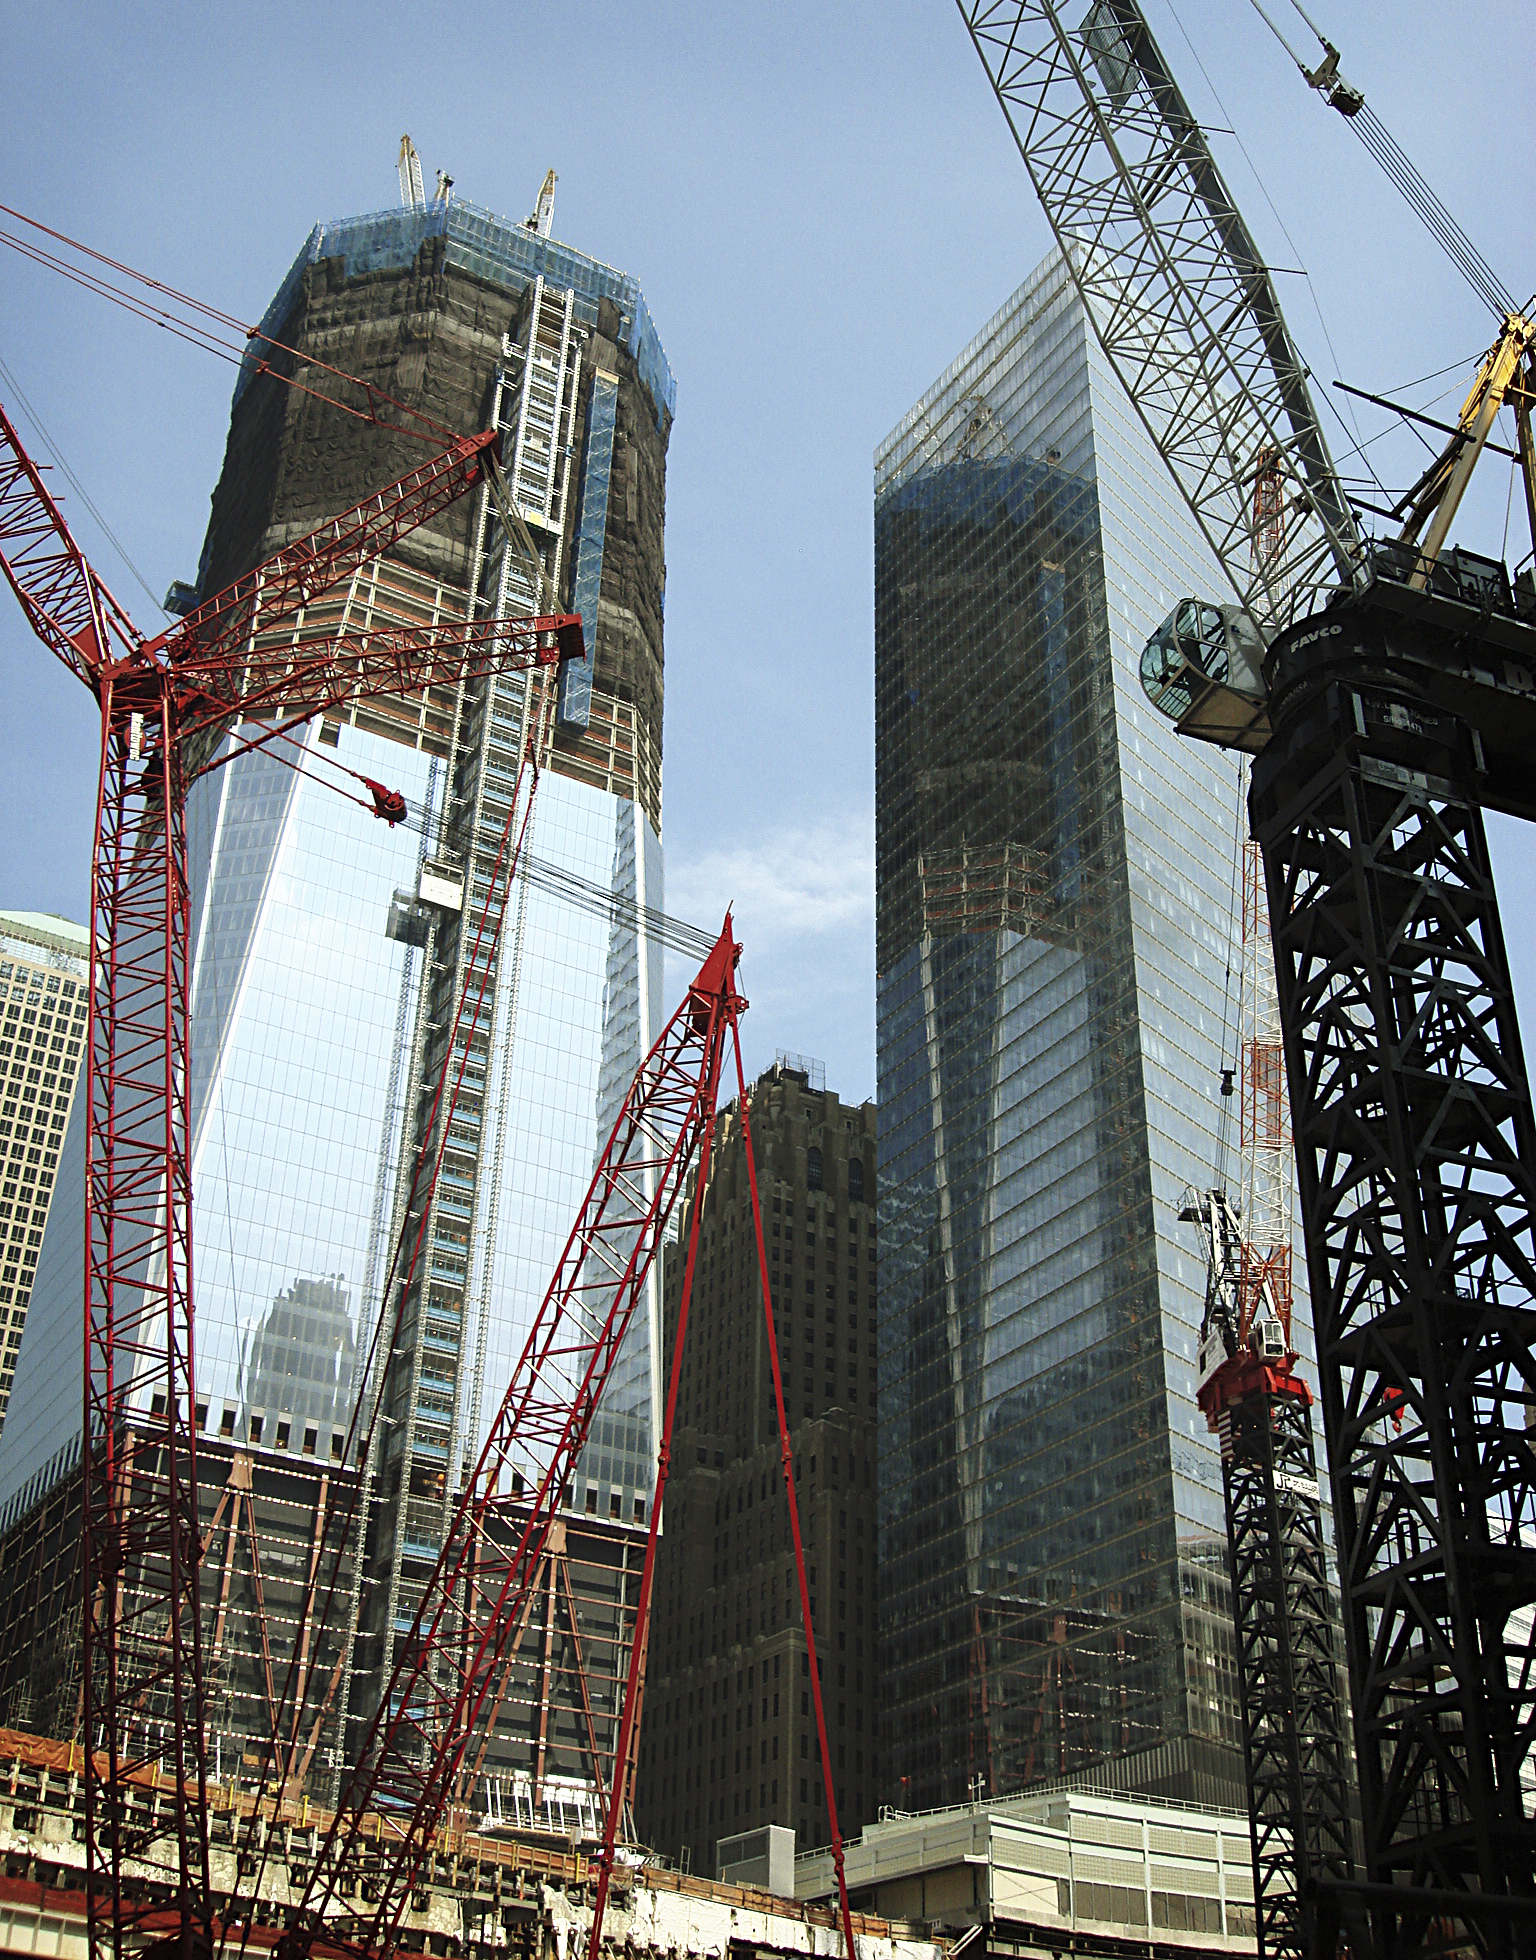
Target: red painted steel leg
x,y
142,1684
663,1463
786,1456
629,1722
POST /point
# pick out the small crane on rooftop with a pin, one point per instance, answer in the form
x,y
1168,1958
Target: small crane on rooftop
x,y
412,194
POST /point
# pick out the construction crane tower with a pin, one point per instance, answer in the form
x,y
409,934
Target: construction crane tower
x,y
1260,1407
449,1674
1387,692
236,673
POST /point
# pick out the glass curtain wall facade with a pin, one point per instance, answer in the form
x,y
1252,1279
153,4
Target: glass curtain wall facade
x,y
325,942
43,967
1054,878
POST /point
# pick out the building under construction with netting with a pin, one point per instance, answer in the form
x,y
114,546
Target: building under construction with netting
x,y
329,957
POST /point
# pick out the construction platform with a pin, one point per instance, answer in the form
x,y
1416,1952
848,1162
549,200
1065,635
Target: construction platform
x,y
488,1892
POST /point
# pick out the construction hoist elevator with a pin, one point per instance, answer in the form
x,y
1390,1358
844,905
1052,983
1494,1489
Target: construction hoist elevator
x,y
434,1385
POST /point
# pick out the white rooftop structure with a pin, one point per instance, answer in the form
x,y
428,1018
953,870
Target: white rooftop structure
x,y
1080,1861
31,933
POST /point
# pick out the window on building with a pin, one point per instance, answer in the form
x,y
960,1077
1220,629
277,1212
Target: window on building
x,y
856,1179
813,1167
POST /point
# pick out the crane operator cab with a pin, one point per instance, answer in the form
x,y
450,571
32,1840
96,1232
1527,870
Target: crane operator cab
x,y
1201,669
1267,1338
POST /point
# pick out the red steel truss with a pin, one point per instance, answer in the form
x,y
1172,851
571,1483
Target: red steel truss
x,y
448,1664
165,702
318,1602
451,1669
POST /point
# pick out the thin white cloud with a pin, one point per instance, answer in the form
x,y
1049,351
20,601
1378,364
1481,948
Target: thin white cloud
x,y
798,884
804,903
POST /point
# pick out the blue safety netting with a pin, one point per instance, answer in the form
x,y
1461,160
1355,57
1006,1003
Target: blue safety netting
x,y
496,249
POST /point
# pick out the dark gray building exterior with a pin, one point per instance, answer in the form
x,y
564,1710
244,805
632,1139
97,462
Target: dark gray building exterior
x,y
729,1738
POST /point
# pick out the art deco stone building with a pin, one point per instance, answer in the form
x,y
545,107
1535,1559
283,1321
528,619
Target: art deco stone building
x,y
729,1735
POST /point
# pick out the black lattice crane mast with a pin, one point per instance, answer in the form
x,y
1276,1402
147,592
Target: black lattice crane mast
x,y
1388,694
1260,1407
1389,720
244,667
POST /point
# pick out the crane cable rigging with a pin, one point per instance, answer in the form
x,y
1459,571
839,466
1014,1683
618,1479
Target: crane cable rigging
x,y
210,328
677,935
1351,104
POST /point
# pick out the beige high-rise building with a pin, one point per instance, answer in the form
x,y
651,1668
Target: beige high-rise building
x,y
43,970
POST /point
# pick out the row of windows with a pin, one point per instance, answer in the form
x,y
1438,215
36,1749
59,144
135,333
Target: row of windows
x,y
1126,1905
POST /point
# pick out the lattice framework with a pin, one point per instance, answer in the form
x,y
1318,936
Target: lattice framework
x,y
1293,1728
1176,290
1416,1157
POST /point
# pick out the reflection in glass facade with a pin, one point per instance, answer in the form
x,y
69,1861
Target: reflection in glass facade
x,y
302,1361
326,970
1053,894
301,1005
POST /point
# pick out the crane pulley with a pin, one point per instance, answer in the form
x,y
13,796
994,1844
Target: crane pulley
x,y
1204,666
1328,80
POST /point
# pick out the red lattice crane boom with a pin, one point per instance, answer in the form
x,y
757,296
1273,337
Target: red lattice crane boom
x,y
165,703
450,1672
444,1677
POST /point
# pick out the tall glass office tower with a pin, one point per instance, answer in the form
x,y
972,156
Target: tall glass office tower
x,y
330,952
1054,875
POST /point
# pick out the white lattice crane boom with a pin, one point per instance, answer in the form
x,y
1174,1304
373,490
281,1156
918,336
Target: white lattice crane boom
x,y
1175,287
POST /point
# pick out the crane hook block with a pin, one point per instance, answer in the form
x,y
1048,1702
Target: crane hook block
x,y
387,803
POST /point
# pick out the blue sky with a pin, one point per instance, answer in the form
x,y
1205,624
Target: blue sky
x,y
823,204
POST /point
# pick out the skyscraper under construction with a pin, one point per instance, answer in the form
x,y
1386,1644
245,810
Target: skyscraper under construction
x,y
329,952
1054,876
